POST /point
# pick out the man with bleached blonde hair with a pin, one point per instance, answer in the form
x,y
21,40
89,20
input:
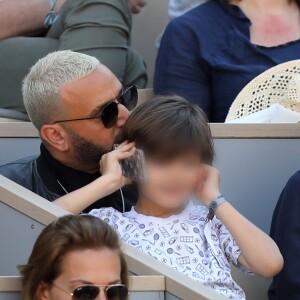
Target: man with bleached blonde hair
x,y
79,107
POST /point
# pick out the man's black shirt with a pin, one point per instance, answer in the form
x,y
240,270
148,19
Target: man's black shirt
x,y
43,174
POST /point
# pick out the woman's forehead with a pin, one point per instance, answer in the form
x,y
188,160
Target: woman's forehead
x,y
93,266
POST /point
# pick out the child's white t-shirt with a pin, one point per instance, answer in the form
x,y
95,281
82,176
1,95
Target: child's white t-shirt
x,y
186,242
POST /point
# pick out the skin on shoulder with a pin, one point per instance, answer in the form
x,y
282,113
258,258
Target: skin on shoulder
x,y
83,267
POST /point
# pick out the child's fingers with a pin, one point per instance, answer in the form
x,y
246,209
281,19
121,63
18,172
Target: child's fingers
x,y
125,147
119,154
125,154
121,145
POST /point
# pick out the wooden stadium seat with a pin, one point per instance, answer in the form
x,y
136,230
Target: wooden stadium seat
x,y
255,161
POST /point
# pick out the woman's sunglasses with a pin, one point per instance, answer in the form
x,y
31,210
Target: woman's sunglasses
x,y
91,292
110,112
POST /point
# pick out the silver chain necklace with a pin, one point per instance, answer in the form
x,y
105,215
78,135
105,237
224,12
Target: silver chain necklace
x,y
63,188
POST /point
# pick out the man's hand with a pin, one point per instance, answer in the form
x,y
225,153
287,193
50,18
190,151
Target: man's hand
x,y
209,184
110,167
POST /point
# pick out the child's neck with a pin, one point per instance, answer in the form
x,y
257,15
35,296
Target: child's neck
x,y
150,208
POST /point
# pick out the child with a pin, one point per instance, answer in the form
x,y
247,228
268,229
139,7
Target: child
x,y
168,222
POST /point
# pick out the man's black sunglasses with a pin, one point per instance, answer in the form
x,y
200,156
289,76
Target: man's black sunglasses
x,y
110,112
91,292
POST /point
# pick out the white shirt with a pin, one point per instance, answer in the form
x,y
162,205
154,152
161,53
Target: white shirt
x,y
186,242
179,7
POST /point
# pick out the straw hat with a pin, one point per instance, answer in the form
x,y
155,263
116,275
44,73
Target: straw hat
x,y
280,84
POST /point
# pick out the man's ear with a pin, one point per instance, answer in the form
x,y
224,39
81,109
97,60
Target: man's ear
x,y
56,136
42,292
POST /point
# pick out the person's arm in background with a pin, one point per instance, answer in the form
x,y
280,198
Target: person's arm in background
x,y
101,28
24,17
285,230
179,69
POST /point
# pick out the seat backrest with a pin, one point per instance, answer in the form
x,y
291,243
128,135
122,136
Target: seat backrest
x,y
255,162
17,140
13,114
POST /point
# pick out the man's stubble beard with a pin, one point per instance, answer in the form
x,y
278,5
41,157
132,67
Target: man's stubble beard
x,y
87,153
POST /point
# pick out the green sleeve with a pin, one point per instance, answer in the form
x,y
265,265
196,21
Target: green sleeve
x,y
101,28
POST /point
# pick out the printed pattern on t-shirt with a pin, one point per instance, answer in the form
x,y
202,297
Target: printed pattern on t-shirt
x,y
200,249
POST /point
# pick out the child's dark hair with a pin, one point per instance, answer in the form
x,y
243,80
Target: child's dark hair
x,y
168,126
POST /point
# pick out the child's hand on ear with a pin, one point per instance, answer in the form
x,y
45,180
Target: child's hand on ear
x,y
209,184
110,167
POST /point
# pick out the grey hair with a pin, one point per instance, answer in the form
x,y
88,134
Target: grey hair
x,y
41,87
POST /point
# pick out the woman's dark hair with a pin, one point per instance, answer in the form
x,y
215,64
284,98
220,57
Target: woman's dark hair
x,y
66,234
168,126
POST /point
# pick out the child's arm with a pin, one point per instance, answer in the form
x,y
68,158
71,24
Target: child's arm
x,y
259,253
110,181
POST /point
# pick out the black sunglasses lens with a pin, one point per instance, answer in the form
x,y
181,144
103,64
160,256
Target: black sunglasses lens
x,y
130,98
117,292
86,292
110,115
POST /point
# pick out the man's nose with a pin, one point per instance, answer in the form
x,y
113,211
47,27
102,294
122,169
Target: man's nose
x,y
101,296
123,115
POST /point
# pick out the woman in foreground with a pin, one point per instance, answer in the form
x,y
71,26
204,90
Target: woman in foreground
x,y
76,257
181,218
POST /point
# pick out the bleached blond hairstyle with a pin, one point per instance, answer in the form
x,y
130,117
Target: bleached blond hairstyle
x,y
41,87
